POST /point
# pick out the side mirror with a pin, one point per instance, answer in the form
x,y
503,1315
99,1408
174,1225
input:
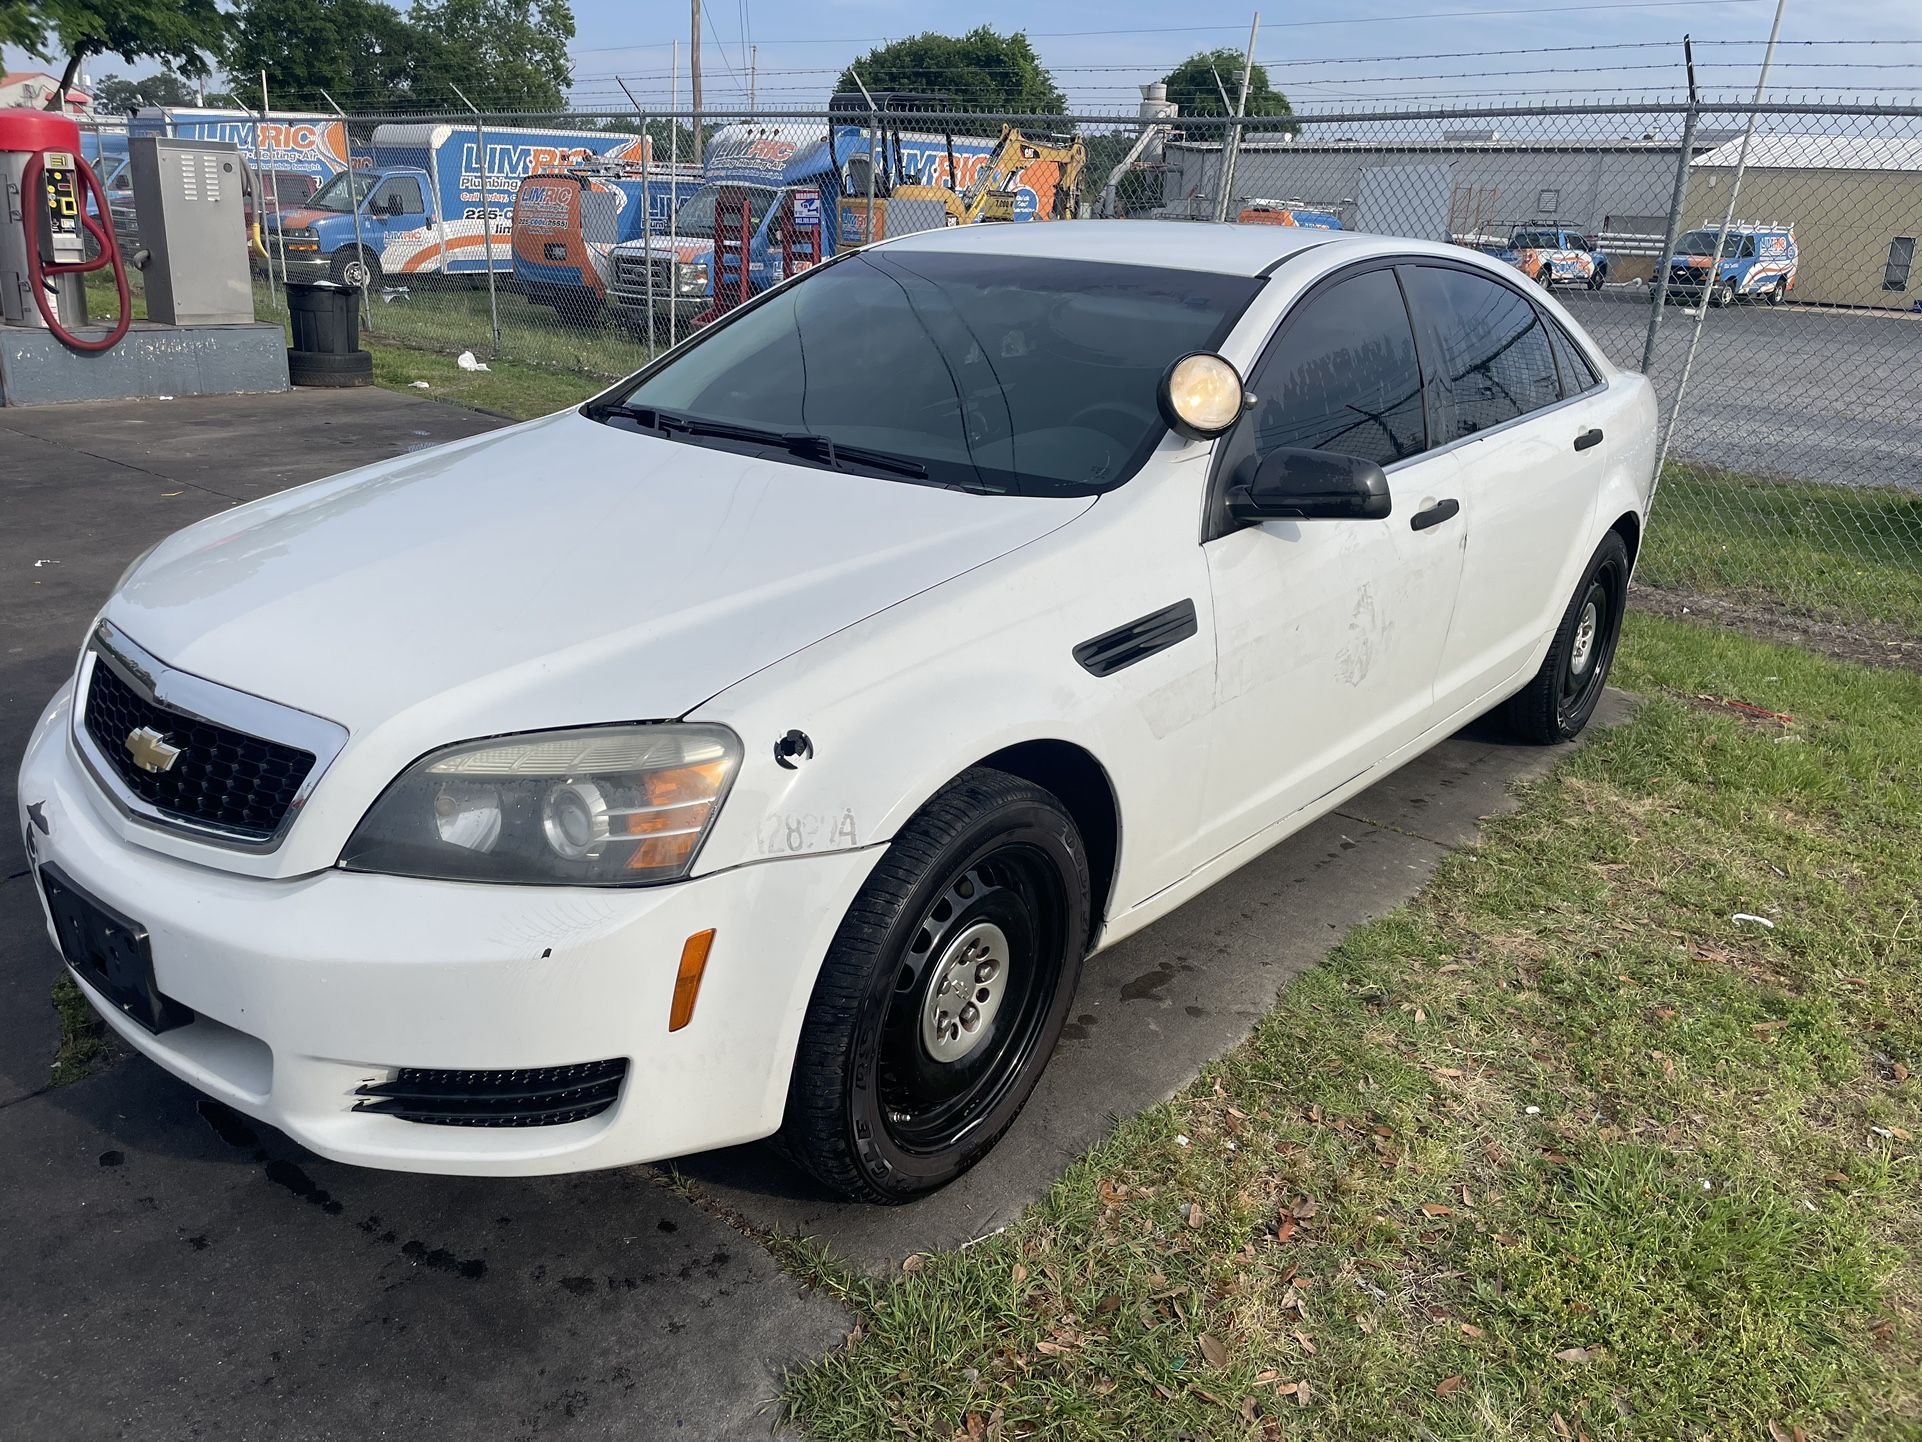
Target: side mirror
x,y
1288,484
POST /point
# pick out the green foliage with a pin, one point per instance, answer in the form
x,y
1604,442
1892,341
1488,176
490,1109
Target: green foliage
x,y
119,95
1191,85
981,70
503,55
177,32
361,52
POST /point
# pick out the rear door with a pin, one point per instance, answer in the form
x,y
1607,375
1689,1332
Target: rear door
x,y
1532,464
1328,632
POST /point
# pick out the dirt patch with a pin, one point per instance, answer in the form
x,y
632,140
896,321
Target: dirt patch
x,y
1862,642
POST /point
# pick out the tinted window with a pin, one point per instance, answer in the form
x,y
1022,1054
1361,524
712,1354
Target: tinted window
x,y
1895,275
1341,376
1577,374
400,195
995,372
1489,352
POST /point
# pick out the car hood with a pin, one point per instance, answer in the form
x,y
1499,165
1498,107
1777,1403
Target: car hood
x,y
560,572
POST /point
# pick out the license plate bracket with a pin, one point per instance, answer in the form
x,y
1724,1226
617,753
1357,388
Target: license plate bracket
x,y
110,952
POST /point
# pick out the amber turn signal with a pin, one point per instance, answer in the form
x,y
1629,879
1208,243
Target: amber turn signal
x,y
687,981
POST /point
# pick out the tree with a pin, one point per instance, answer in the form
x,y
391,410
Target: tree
x,y
361,52
178,33
113,95
1191,85
504,55
980,71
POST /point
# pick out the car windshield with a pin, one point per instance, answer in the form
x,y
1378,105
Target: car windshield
x,y
1702,242
1009,374
341,194
696,215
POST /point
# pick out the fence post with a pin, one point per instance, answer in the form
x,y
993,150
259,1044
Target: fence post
x,y
360,246
1659,291
487,219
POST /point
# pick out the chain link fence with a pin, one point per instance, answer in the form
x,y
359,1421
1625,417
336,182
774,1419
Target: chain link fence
x,y
1756,261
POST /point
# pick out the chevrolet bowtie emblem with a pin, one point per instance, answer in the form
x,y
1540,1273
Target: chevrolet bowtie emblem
x,y
150,750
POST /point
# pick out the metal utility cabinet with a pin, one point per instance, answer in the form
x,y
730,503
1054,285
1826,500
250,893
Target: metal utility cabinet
x,y
187,198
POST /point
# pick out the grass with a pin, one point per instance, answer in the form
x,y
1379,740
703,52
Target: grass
x,y
1559,1150
1837,553
85,1041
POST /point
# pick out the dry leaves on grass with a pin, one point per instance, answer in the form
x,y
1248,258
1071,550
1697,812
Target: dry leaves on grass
x,y
1447,1385
1213,1350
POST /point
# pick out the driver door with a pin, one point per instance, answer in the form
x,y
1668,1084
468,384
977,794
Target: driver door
x,y
1328,632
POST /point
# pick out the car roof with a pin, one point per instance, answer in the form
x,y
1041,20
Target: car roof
x,y
1170,244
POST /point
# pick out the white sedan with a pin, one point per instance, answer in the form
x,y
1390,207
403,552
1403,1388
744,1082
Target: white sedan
x,y
762,747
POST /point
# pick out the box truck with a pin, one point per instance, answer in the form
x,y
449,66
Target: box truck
x,y
427,200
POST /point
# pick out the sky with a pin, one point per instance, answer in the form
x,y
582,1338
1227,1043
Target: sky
x,y
1335,52
1331,53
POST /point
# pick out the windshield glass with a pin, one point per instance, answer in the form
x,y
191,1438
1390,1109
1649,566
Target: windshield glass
x,y
1702,242
345,191
1536,240
1004,373
696,215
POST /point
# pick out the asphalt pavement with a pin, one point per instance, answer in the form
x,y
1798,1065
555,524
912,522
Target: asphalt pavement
x,y
1796,392
173,1270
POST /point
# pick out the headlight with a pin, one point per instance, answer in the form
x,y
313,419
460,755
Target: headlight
x,y
600,806
690,275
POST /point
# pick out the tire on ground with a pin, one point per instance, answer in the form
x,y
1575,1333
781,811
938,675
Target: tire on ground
x,y
315,368
1545,711
841,1124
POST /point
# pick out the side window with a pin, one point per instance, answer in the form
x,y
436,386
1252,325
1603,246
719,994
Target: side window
x,y
1488,348
1577,374
403,189
1341,376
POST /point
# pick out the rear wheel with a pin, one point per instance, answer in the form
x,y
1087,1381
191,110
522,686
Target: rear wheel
x,y
943,993
1545,276
1557,704
1598,277
1778,292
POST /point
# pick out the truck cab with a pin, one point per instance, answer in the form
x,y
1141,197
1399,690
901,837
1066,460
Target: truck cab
x,y
321,239
1758,262
1550,256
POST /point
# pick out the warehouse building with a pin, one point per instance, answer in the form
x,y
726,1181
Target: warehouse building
x,y
1475,187
1855,203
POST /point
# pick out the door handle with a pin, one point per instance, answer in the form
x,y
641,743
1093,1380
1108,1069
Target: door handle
x,y
1590,437
1434,515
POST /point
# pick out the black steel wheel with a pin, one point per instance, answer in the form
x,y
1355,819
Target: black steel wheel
x,y
943,993
1561,698
1598,277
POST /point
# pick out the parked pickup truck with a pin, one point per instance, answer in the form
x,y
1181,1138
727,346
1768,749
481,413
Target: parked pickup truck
x,y
425,200
1555,257
1758,262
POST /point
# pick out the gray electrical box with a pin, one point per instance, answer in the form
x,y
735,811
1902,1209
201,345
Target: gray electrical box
x,y
188,202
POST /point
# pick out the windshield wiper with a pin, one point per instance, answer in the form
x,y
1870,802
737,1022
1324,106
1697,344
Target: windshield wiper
x,y
801,444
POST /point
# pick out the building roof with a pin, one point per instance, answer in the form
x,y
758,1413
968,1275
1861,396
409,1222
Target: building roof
x,y
1820,152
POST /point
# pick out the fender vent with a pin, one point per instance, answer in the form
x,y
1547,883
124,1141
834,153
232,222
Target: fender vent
x,y
548,1096
1115,650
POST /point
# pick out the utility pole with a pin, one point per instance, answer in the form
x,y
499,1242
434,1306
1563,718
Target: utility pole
x,y
694,73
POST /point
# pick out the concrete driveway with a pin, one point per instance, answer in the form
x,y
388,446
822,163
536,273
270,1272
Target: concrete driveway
x,y
173,1270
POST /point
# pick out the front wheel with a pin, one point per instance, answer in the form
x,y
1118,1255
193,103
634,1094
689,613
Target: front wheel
x,y
356,268
1559,701
1778,292
943,993
1598,277
1723,294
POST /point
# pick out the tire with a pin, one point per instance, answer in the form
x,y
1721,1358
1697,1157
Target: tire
x,y
1598,277
346,265
991,870
315,368
1778,292
1723,295
1545,276
1557,703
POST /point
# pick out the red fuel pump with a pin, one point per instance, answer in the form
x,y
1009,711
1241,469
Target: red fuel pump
x,y
45,253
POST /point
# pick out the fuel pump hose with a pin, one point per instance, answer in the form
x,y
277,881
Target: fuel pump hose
x,y
38,271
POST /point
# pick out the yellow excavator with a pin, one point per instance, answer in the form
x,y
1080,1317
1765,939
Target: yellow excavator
x,y
1050,166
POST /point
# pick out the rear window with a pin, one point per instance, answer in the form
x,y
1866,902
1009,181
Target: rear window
x,y
1003,373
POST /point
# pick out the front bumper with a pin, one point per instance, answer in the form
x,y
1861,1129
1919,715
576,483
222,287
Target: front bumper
x,y
306,988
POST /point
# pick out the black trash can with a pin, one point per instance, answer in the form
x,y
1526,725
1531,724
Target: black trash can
x,y
325,318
